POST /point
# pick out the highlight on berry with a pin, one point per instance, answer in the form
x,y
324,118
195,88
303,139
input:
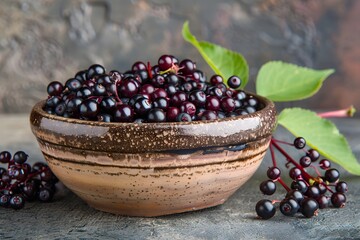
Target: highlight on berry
x,y
21,182
314,183
168,91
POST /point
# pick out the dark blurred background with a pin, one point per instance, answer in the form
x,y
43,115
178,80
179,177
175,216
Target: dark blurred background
x,y
45,40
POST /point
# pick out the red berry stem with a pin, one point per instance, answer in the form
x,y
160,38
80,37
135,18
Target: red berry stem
x,y
316,170
283,142
283,184
149,69
306,176
116,92
272,155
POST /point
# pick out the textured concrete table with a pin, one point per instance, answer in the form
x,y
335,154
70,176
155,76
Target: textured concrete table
x,y
68,217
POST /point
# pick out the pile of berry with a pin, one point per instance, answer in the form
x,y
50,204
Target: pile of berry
x,y
167,92
20,182
307,193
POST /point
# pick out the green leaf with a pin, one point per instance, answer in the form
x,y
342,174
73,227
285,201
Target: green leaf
x,y
281,81
223,62
320,134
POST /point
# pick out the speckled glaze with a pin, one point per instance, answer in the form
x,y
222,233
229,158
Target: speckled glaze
x,y
154,169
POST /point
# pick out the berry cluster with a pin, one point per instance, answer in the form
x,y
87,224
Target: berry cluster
x,y
167,92
21,182
307,193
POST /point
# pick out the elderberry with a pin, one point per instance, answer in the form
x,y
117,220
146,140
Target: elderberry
x,y
309,191
20,182
97,95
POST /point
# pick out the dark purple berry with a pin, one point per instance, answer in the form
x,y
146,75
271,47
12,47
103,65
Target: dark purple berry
x,y
212,103
227,104
128,88
183,117
156,115
161,103
142,106
73,105
5,157
172,79
309,207
268,187
341,187
17,202
338,200
55,88
178,98
73,84
158,81
313,154
234,82
108,104
273,173
295,173
188,107
265,209
289,207
60,109
81,76
84,92
138,66
95,70
332,175
216,79
207,115
165,62
323,201
89,109
324,164
313,192
159,93
20,157
305,161
187,67
296,195
299,142
123,113
172,113
4,200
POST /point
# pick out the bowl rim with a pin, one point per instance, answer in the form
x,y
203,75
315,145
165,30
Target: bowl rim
x,y
38,108
133,137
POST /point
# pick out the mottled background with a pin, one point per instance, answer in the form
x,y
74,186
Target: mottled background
x,y
44,40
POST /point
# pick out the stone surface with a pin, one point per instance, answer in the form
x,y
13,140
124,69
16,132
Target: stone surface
x,y
44,40
68,217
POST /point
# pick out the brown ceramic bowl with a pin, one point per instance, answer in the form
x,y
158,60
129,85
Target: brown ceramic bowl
x,y
152,169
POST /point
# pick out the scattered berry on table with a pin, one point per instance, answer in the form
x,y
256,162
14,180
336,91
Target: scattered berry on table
x,y
309,190
20,182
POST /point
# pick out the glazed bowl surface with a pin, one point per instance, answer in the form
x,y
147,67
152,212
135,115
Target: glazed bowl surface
x,y
153,169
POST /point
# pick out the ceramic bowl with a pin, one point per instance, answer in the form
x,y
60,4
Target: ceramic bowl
x,y
150,169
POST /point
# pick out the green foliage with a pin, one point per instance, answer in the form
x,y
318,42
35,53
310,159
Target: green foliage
x,y
282,82
223,62
320,134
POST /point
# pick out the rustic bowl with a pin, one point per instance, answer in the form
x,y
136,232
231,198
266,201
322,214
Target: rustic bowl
x,y
152,169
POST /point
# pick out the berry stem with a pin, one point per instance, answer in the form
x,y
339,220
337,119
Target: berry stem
x,y
306,176
116,92
327,187
283,184
272,155
149,69
283,142
316,170
346,112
